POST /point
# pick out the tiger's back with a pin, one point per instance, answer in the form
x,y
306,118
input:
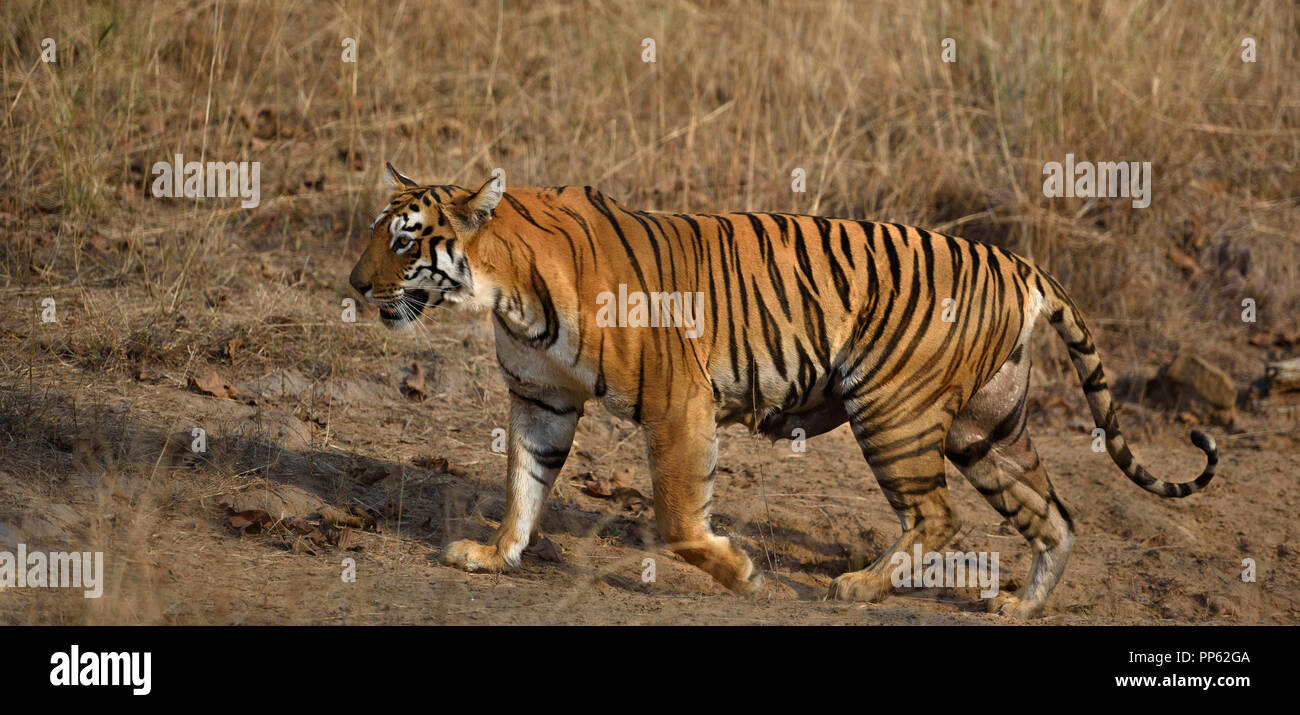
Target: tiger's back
x,y
791,305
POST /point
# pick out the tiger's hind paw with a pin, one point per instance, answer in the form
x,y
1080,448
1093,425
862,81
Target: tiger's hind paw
x,y
859,586
752,588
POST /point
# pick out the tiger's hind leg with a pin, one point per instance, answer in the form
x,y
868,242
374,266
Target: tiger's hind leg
x,y
906,457
989,443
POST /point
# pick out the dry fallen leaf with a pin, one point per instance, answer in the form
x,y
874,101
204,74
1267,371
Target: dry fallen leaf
x,y
616,488
213,384
597,486
330,527
251,521
1184,260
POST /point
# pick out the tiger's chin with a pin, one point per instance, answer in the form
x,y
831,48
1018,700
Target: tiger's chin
x,y
412,305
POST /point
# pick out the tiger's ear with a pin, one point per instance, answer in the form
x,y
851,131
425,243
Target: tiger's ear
x,y
397,179
470,214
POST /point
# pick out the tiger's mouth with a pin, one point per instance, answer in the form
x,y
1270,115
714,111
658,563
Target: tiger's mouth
x,y
404,310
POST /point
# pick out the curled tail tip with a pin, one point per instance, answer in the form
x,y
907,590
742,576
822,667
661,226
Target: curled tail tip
x,y
1178,490
1205,443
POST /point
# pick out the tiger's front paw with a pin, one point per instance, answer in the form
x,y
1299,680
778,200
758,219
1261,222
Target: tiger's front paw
x,y
470,556
1008,605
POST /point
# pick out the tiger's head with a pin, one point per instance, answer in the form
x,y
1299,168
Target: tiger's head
x,y
416,255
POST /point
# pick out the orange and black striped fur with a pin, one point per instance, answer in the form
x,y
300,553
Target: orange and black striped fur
x,y
806,322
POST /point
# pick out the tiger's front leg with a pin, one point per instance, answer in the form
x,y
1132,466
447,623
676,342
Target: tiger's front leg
x,y
683,460
541,432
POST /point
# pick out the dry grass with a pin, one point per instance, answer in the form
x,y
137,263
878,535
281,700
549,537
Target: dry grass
x,y
151,292
557,93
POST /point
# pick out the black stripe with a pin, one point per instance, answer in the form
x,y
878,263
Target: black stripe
x,y
549,408
519,208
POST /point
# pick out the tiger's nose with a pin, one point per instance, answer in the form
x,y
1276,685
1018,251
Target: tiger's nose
x,y
358,283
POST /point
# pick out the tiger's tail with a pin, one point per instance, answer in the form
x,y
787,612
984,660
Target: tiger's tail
x,y
1068,321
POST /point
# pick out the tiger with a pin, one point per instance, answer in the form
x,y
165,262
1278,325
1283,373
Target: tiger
x,y
798,323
